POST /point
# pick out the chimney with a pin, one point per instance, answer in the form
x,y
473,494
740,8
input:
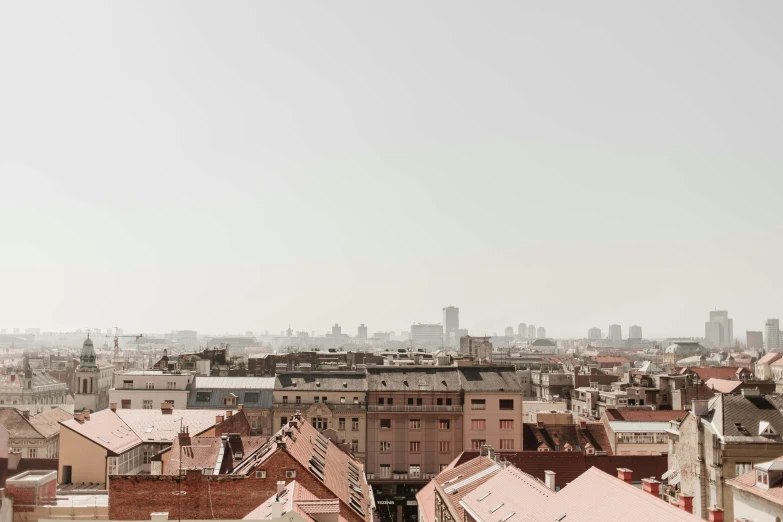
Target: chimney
x,y
184,438
700,407
651,486
79,417
716,514
86,414
166,408
240,407
750,392
113,407
218,419
229,413
160,516
277,508
26,414
686,503
582,423
549,479
539,423
625,474
280,487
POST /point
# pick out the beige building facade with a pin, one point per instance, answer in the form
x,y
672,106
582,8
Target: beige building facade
x,y
493,413
147,389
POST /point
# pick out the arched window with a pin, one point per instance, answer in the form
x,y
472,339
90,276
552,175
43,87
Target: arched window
x,y
84,386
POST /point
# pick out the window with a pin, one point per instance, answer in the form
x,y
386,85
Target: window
x,y
285,399
380,401
283,421
444,446
208,471
742,467
478,404
147,404
419,402
323,399
203,396
507,424
415,446
390,401
231,400
342,400
145,457
440,402
478,424
341,424
315,399
150,385
355,445
298,399
356,400
319,423
410,401
444,424
414,424
415,470
171,385
252,397
126,404
506,444
253,424
385,446
385,471
355,424
448,402
31,452
506,404
443,466
477,443
385,424
128,385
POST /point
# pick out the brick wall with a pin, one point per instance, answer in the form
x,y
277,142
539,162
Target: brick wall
x,y
134,497
237,423
27,497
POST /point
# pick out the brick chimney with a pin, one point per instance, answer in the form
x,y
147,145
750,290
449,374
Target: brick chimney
x,y
79,417
240,407
166,408
716,514
582,423
686,503
184,438
229,413
218,419
651,486
113,406
625,474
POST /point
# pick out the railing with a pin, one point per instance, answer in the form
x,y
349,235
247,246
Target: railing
x,y
401,476
424,408
331,405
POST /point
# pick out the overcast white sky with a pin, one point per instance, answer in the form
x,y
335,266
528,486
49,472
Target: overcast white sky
x,y
228,166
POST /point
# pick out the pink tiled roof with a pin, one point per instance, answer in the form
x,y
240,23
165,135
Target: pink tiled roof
x,y
747,482
723,385
48,422
625,414
516,492
483,467
769,358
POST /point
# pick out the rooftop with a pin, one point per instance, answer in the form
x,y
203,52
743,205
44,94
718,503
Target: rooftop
x,y
489,379
234,383
315,381
390,378
627,414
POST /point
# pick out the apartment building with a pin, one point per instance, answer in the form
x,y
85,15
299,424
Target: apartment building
x,y
493,408
253,393
147,389
414,429
33,437
330,401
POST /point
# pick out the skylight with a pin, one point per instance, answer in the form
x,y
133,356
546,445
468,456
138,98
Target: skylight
x,y
496,508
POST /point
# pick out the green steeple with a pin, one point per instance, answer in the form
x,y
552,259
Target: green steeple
x,y
87,359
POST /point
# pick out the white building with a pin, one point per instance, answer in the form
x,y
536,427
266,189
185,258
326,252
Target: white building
x,y
148,389
615,332
541,332
427,335
594,334
772,334
758,494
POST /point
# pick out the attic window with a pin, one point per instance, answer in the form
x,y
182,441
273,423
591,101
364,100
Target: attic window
x,y
765,429
485,495
405,383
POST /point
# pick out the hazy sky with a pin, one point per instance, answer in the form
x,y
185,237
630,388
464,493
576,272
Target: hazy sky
x,y
228,166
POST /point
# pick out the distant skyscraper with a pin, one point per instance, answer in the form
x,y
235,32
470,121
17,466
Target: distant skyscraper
x,y
615,332
594,334
541,332
522,330
451,327
336,330
719,330
509,331
754,340
635,332
362,331
772,332
427,335
531,331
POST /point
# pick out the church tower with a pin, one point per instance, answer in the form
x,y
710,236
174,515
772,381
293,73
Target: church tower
x,y
86,396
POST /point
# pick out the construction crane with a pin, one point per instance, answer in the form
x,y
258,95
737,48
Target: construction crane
x,y
117,344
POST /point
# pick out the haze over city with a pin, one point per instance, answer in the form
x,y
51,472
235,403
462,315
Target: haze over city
x,y
233,167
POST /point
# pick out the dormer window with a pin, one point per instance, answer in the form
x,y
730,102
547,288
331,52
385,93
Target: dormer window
x,y
762,479
766,430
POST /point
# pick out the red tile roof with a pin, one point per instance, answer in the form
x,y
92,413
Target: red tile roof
x,y
747,482
643,466
716,372
453,484
298,499
209,452
566,465
627,414
769,358
722,385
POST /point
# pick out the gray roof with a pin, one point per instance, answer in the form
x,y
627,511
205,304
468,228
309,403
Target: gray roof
x,y
332,381
482,378
726,411
407,378
234,383
543,342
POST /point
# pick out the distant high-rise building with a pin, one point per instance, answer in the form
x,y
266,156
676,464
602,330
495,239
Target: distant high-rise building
x,y
635,332
541,332
615,332
772,332
451,327
427,335
754,340
336,330
594,334
719,330
522,330
531,331
362,331
509,331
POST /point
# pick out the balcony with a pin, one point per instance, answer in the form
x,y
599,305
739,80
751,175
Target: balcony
x,y
411,408
334,406
401,477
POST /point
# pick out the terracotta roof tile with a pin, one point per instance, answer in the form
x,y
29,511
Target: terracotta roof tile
x,y
48,422
17,425
747,482
510,493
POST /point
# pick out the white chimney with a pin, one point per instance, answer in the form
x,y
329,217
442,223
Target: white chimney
x,y
700,407
549,479
277,508
160,516
280,487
